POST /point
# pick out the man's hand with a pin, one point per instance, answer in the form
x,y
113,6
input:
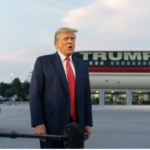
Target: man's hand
x,y
41,129
87,132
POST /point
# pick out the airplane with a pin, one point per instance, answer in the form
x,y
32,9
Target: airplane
x,y
115,69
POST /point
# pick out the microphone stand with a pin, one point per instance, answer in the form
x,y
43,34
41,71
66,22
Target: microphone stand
x,y
14,134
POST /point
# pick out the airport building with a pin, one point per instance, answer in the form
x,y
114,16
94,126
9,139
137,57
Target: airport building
x,y
117,77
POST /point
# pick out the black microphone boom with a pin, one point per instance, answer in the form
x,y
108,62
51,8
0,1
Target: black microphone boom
x,y
13,134
72,136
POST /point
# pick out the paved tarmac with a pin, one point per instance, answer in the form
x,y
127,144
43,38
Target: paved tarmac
x,y
114,127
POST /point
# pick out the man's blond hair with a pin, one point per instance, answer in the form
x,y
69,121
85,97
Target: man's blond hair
x,y
63,30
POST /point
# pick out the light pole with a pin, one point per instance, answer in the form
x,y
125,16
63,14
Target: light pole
x,y
0,88
22,83
11,77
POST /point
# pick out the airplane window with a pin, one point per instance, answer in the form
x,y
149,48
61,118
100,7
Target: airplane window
x,y
139,63
144,62
128,62
117,63
96,62
133,63
112,62
91,63
101,63
123,63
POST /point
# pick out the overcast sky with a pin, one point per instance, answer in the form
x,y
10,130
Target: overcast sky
x,y
27,29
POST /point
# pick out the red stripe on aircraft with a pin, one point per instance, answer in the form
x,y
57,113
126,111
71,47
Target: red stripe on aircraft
x,y
119,69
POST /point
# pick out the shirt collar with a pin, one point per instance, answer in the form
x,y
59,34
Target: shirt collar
x,y
62,57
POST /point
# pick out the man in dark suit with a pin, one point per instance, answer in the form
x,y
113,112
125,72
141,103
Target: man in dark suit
x,y
60,91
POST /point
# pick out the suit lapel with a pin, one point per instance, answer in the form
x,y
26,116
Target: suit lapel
x,y
78,79
58,64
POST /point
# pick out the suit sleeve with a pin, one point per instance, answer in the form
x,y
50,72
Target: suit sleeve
x,y
36,94
88,105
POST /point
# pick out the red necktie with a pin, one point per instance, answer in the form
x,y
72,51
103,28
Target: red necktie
x,y
72,88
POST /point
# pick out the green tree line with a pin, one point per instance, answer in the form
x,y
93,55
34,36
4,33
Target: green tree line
x,y
21,90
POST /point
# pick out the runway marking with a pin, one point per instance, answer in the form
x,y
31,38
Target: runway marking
x,y
123,133
14,116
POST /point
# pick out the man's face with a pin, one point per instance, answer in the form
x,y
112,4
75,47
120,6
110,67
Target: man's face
x,y
65,43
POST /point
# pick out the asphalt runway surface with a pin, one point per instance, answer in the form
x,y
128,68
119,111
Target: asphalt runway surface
x,y
114,127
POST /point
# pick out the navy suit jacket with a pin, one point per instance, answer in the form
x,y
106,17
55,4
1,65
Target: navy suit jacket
x,y
49,94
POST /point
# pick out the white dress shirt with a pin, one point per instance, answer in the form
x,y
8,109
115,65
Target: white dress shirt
x,y
64,61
